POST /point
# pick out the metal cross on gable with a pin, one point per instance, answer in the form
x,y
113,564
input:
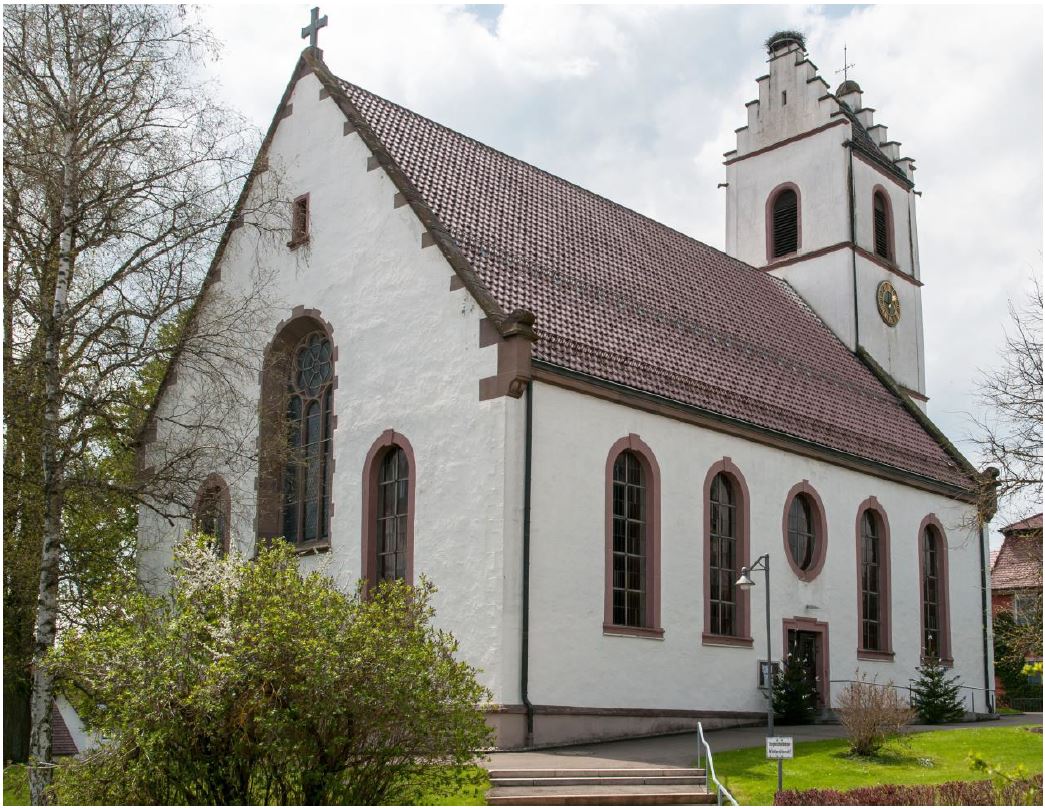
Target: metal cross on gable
x,y
311,31
845,59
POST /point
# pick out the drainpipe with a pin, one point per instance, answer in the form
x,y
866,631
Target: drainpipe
x,y
527,477
987,683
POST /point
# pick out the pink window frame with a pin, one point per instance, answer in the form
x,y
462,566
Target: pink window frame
x,y
744,640
890,242
819,525
946,656
885,595
388,440
770,202
651,471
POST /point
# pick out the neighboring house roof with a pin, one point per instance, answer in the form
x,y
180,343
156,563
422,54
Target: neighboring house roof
x,y
62,741
1018,564
624,299
994,557
1031,523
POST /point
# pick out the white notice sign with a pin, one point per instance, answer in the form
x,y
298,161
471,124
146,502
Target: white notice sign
x,y
780,748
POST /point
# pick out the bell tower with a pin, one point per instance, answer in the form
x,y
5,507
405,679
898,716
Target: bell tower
x,y
818,195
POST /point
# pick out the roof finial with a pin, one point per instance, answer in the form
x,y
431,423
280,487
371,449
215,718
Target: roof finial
x,y
311,31
845,66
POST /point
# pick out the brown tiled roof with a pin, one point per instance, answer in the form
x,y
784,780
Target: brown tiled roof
x,y
1030,523
62,742
994,557
625,299
1018,564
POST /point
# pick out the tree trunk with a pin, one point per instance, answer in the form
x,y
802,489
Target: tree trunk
x,y
41,771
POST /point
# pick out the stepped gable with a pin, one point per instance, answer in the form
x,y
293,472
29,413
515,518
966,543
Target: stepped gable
x,y
628,300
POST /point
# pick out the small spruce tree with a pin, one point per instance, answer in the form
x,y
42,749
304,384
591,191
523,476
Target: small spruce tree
x,y
935,697
794,696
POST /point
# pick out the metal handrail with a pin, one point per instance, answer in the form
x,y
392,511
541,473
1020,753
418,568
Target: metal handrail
x,y
710,773
989,694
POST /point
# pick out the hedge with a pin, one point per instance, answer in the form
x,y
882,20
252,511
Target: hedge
x,y
972,792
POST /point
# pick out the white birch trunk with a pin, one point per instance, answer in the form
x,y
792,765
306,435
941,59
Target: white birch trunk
x,y
41,738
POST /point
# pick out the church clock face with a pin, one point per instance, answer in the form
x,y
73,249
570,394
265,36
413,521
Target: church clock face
x,y
888,303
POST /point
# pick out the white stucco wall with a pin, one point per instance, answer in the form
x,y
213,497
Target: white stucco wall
x,y
408,360
573,663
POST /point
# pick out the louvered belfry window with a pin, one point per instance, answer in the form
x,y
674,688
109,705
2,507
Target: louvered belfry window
x,y
881,226
785,223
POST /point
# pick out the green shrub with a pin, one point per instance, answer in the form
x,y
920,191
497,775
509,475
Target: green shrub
x,y
251,683
935,698
794,697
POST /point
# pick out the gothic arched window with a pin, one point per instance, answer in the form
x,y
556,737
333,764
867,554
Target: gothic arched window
x,y
310,391
726,549
783,222
297,423
883,236
389,478
632,599
211,513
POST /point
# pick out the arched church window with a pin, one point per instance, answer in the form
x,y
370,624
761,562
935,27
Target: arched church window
x,y
306,497
874,604
389,477
211,512
882,226
784,222
724,567
805,531
933,564
296,416
633,539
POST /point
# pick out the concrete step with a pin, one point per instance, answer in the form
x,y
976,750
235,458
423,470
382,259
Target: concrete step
x,y
601,781
603,795
674,771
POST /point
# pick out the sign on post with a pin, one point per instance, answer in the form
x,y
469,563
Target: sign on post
x,y
780,748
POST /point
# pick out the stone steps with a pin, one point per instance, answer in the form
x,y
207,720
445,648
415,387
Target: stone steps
x,y
623,786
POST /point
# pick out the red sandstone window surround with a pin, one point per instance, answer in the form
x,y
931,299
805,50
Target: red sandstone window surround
x,y
805,531
299,221
389,481
783,221
727,545
935,596
874,598
632,556
211,514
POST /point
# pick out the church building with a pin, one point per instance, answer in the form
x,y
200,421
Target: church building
x,y
581,424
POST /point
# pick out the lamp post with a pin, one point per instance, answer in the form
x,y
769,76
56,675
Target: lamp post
x,y
745,582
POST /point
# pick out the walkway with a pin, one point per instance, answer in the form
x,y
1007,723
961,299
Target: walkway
x,y
681,750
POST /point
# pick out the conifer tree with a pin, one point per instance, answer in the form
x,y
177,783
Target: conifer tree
x,y
935,697
794,697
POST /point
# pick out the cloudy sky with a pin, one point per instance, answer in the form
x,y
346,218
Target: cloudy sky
x,y
638,103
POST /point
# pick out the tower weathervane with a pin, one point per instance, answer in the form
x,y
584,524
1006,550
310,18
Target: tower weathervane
x,y
845,59
311,31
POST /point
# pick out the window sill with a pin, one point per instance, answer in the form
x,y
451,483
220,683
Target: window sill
x,y
945,662
726,641
312,547
295,243
633,631
880,656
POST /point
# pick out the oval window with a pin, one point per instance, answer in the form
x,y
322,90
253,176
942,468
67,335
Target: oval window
x,y
801,533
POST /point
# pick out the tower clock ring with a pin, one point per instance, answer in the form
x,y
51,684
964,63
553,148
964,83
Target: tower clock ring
x,y
888,303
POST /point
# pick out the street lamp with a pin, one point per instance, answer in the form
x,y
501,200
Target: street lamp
x,y
745,582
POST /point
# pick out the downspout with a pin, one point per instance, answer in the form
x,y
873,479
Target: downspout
x,y
527,477
852,249
984,583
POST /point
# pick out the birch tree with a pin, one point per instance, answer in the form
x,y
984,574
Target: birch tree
x,y
120,174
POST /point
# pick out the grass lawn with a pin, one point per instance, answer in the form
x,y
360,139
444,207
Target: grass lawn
x,y
16,785
924,757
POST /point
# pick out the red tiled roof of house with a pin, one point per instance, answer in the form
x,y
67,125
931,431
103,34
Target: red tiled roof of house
x,y
625,299
1018,564
994,557
1030,523
62,741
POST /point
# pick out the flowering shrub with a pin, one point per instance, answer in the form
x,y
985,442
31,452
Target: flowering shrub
x,y
975,792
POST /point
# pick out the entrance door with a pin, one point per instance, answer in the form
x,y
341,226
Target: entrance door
x,y
806,646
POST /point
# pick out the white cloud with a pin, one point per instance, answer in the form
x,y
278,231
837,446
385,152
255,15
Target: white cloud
x,y
639,102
